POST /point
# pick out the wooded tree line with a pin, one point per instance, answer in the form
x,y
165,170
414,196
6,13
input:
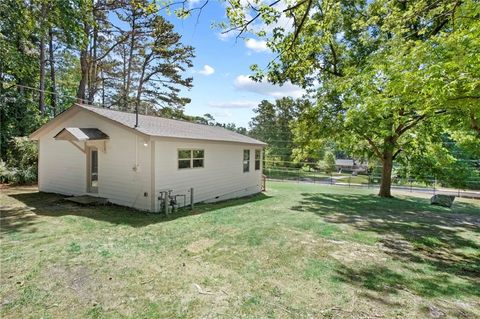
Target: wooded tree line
x,y
118,54
392,80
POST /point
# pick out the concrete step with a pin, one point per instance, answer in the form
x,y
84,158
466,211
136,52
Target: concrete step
x,y
87,200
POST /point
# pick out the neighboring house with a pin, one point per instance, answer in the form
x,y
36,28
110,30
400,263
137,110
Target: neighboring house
x,y
100,152
344,164
350,165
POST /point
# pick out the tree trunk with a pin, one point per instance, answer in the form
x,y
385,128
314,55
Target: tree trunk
x,y
92,85
124,79
53,88
41,99
386,182
141,81
103,88
84,66
139,94
82,86
130,58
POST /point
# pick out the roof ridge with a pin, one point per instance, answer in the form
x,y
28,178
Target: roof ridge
x,y
156,116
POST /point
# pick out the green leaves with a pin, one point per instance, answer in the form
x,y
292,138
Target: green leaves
x,y
382,70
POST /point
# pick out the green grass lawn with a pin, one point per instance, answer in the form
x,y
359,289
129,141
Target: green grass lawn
x,y
295,251
359,179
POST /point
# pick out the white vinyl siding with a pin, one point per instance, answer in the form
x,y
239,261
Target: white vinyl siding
x,y
63,167
220,178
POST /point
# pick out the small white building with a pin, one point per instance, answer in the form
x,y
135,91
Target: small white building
x,y
99,152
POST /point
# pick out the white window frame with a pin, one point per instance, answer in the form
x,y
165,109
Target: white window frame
x,y
246,161
259,159
191,158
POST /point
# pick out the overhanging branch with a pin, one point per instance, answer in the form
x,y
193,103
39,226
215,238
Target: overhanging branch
x,y
402,128
376,150
298,29
397,153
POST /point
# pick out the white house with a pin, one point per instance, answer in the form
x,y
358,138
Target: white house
x,y
100,152
351,165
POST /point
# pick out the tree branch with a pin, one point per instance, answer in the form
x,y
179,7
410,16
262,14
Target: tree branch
x,y
302,22
474,123
244,26
111,48
295,6
397,153
376,150
464,97
335,59
402,128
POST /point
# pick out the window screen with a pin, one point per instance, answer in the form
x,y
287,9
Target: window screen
x,y
191,158
246,161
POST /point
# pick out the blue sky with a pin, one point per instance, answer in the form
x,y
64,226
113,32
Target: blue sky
x,y
221,85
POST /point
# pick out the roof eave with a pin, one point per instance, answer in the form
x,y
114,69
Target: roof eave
x,y
131,129
258,144
74,109
56,120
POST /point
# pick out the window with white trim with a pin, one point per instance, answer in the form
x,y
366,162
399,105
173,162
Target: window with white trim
x,y
191,159
246,161
258,158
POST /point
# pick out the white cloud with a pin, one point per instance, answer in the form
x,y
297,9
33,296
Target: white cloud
x,y
224,114
224,36
244,83
257,45
234,104
207,70
193,3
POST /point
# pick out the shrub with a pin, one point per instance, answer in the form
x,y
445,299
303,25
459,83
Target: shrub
x,y
306,168
6,174
21,164
23,153
329,162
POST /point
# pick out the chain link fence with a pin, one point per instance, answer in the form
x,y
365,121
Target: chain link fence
x,y
371,179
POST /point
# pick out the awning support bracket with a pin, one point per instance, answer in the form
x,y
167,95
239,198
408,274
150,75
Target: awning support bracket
x,y
77,146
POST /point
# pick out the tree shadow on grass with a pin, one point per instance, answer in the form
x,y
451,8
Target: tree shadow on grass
x,y
413,232
378,283
386,281
24,218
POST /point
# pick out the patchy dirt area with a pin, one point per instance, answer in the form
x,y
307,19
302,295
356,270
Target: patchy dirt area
x,y
200,245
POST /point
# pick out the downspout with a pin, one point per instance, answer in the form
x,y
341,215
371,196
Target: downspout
x,y
136,154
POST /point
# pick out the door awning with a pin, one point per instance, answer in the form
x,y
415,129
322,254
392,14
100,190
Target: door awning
x,y
81,134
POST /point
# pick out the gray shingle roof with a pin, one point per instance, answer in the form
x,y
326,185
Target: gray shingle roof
x,y
162,127
81,134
